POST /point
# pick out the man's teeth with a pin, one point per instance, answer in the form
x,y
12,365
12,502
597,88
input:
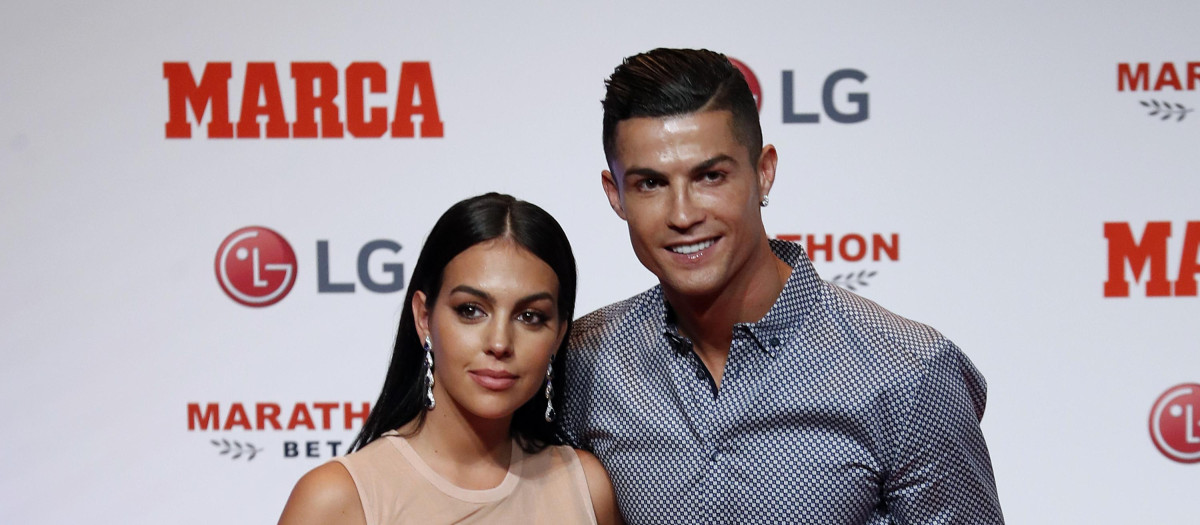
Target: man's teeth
x,y
691,248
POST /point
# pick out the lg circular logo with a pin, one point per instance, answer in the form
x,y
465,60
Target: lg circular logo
x,y
256,266
1175,423
751,80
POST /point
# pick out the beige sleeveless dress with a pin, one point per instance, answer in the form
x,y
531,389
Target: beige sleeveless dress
x,y
397,486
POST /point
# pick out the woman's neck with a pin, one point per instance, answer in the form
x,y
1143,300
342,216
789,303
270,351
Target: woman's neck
x,y
471,452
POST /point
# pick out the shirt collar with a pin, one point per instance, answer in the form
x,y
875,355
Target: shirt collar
x,y
783,319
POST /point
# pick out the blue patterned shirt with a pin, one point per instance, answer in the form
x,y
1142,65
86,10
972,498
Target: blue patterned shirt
x,y
831,410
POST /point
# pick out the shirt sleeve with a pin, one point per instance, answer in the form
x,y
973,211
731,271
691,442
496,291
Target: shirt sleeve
x,y
942,472
568,420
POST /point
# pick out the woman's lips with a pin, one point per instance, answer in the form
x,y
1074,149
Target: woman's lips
x,y
493,379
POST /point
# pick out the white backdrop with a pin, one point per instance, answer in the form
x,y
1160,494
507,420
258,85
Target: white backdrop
x,y
996,147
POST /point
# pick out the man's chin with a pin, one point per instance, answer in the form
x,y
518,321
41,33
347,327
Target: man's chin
x,y
691,286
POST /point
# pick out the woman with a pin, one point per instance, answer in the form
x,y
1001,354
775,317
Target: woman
x,y
462,430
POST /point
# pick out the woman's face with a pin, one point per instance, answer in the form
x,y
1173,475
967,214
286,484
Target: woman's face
x,y
493,328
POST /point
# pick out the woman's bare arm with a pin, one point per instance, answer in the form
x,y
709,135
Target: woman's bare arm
x,y
326,495
604,500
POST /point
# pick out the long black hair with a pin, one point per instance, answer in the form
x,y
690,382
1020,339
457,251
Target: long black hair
x,y
467,223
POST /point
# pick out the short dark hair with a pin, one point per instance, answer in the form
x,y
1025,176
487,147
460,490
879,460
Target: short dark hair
x,y
670,82
467,223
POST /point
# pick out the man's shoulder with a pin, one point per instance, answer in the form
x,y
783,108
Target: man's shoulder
x,y
599,328
903,351
872,324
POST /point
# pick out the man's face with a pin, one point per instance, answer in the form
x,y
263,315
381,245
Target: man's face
x,y
690,193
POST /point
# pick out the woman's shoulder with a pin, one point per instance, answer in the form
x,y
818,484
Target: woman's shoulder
x,y
580,467
326,494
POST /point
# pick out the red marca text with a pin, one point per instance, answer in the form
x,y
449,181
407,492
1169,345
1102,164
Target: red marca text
x,y
260,416
1152,252
851,247
316,86
1137,77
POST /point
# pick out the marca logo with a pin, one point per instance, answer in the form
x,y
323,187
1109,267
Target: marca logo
x,y
266,416
316,89
1150,252
850,247
1175,423
1165,76
256,267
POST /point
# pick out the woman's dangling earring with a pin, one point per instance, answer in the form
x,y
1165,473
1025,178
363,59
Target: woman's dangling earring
x,y
429,401
550,391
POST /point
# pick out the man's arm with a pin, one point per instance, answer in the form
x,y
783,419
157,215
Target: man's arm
x,y
574,388
941,472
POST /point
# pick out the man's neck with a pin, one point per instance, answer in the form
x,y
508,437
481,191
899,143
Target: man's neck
x,y
708,321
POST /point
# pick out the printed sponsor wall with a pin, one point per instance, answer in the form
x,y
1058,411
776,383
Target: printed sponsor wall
x,y
209,213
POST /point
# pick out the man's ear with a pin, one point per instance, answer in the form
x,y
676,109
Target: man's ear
x,y
420,315
613,191
767,161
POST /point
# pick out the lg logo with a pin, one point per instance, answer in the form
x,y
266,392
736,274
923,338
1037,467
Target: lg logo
x,y
257,267
1174,421
860,100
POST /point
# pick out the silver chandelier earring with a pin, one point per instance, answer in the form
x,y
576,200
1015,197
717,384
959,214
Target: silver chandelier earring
x,y
429,401
550,391
765,201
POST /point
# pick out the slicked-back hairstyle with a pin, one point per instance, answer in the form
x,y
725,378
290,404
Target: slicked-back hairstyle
x,y
671,82
467,223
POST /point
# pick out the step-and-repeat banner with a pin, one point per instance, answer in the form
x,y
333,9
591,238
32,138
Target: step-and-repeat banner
x,y
209,211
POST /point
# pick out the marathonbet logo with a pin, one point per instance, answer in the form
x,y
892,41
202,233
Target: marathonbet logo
x,y
862,251
1164,90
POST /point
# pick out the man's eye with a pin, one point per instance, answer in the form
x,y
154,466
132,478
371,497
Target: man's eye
x,y
649,184
713,176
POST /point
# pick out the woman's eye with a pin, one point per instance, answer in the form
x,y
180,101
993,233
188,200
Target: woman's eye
x,y
469,311
530,317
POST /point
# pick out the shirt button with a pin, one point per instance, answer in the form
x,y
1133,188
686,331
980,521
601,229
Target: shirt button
x,y
774,341
716,455
700,375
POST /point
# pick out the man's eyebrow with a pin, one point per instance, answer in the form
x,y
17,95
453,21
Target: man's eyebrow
x,y
703,166
708,164
643,172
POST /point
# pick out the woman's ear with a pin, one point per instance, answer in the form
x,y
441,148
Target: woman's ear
x,y
420,315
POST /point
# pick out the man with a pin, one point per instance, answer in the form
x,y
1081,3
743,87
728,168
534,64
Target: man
x,y
743,388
